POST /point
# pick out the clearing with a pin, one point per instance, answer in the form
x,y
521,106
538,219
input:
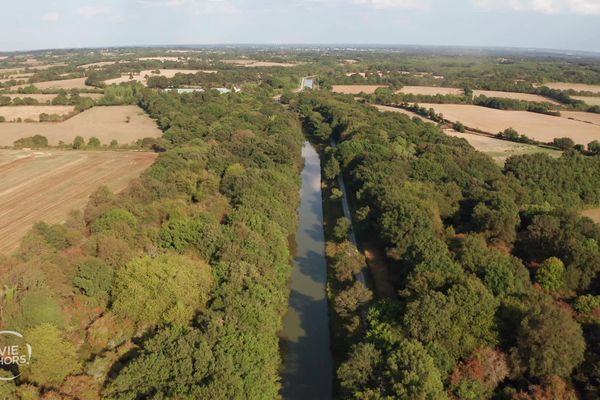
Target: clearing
x,y
12,113
431,90
45,186
579,87
356,89
105,123
76,83
543,128
499,150
593,213
514,95
141,77
589,100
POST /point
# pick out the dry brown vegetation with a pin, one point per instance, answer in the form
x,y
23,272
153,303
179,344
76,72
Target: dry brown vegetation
x,y
593,213
356,89
514,95
430,90
12,113
580,87
589,100
591,118
141,77
45,186
76,83
544,128
105,123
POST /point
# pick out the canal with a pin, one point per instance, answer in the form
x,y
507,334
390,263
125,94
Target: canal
x,y
305,340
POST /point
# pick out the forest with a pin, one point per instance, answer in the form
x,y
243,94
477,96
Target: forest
x,y
187,269
496,274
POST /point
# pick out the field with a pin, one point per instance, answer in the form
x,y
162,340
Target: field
x,y
254,63
105,123
42,98
76,83
430,90
591,118
141,77
580,87
593,213
356,89
543,128
97,64
45,186
12,113
589,100
401,111
515,96
498,149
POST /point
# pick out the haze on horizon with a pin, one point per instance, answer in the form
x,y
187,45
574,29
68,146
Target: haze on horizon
x,y
550,24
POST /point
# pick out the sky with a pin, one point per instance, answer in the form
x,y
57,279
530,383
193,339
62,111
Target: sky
x,y
546,24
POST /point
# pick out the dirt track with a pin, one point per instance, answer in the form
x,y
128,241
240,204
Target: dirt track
x,y
45,186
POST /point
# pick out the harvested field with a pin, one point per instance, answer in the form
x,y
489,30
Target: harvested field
x,y
12,113
402,111
254,63
76,83
98,64
579,87
48,97
430,90
543,128
593,213
591,118
589,100
356,89
45,186
161,58
499,150
515,96
141,77
105,123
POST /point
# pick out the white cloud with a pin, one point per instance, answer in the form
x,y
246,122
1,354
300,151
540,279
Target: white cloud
x,y
199,7
585,7
90,12
400,4
51,17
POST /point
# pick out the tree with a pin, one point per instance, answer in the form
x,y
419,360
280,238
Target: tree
x,y
564,143
551,274
342,227
94,278
332,168
549,341
458,126
94,142
53,357
594,147
348,301
162,290
78,143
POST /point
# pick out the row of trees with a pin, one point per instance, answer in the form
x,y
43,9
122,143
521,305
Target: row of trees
x,y
497,281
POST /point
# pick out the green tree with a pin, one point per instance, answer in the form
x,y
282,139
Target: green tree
x,y
94,278
53,357
78,143
332,168
94,142
551,274
342,227
162,290
564,143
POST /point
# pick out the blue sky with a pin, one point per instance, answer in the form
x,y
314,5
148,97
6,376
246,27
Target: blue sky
x,y
556,24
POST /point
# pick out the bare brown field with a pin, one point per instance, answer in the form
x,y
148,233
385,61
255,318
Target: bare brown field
x,y
356,89
98,64
543,128
589,100
255,63
500,150
76,83
172,58
48,97
141,77
580,87
591,118
105,123
515,96
12,113
430,90
593,213
45,186
401,111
